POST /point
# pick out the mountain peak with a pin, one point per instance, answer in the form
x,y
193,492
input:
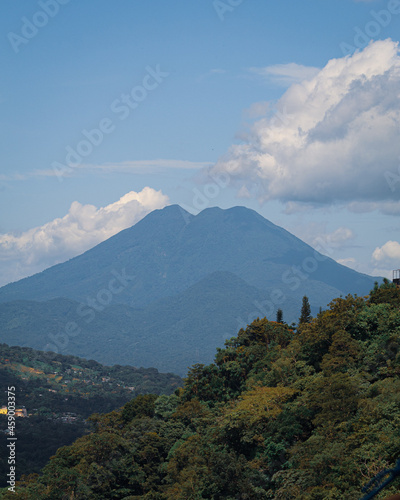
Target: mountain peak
x,y
173,281
169,213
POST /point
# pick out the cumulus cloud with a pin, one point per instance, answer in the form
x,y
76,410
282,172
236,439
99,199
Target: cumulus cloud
x,y
82,228
258,109
388,255
340,237
333,137
325,242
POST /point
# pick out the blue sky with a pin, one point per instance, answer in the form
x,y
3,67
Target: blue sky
x,y
228,103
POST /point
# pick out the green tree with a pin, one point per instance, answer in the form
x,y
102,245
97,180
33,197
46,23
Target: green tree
x,y
141,406
279,316
305,316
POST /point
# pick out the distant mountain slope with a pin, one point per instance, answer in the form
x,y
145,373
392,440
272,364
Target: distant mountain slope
x,y
171,333
139,250
170,250
167,291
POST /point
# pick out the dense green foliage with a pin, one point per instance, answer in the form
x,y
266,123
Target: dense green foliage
x,y
307,414
59,393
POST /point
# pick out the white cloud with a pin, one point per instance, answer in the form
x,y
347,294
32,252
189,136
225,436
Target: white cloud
x,y
82,228
146,166
333,138
387,256
126,167
258,109
387,208
293,207
315,235
286,74
13,177
340,237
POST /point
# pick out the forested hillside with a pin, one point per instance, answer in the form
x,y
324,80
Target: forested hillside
x,y
59,393
308,413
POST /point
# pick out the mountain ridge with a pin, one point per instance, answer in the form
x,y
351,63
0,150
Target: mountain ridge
x,y
132,287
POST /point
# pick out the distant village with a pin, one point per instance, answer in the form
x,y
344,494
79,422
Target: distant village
x,y
18,412
65,417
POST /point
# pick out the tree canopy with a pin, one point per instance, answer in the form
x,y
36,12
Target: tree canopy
x,y
310,414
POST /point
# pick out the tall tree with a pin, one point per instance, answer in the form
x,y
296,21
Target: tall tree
x,y
305,316
279,316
